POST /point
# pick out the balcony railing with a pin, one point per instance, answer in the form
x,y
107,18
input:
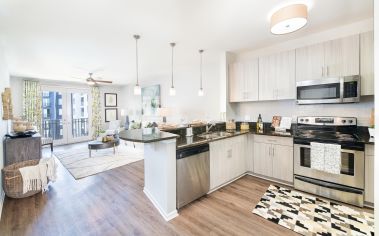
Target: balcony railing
x,y
54,128
80,127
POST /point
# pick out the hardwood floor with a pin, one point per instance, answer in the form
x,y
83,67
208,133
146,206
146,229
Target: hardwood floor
x,y
112,203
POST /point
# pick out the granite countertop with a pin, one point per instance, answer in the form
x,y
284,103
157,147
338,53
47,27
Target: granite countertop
x,y
136,135
184,142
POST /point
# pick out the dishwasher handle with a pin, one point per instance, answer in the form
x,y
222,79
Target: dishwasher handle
x,y
191,151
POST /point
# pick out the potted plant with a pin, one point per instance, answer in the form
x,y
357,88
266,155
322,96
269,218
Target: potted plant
x,y
148,129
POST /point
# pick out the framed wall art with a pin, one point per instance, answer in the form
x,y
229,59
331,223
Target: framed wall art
x,y
111,114
110,99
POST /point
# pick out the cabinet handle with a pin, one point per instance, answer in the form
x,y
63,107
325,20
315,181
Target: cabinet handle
x,y
327,70
271,140
273,151
229,153
322,71
269,151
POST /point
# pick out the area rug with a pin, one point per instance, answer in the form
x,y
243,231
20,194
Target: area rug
x,y
80,165
309,215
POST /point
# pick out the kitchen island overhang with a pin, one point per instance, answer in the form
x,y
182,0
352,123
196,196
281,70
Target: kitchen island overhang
x,y
159,168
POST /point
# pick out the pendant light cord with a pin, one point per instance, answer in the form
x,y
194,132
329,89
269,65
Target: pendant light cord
x,y
201,68
137,37
172,64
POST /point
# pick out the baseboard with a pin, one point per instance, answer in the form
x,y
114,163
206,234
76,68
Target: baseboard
x,y
224,184
168,216
251,174
2,198
270,179
368,205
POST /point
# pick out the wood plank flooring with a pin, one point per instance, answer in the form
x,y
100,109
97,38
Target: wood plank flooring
x,y
112,203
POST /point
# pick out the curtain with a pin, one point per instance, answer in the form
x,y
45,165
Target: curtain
x,y
32,102
96,112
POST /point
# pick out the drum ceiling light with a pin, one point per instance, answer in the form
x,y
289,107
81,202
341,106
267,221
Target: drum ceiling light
x,y
289,19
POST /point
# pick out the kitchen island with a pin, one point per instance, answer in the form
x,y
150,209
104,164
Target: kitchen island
x,y
159,168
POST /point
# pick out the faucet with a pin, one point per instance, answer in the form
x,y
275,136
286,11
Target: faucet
x,y
209,126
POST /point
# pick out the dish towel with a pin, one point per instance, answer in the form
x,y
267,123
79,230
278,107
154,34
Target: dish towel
x,y
30,178
332,157
317,156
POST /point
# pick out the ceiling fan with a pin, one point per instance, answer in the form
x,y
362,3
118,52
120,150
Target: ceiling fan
x,y
94,81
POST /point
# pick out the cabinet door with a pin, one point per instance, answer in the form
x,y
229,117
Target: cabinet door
x,y
250,90
342,56
285,75
267,74
249,154
369,174
310,62
217,157
236,81
282,163
263,159
367,63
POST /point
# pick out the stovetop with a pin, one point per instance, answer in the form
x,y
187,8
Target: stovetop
x,y
338,132
326,135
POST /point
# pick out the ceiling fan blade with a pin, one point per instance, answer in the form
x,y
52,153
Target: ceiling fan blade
x,y
103,81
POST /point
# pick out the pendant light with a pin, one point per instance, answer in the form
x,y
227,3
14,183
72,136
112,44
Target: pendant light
x,y
137,88
289,19
201,91
172,89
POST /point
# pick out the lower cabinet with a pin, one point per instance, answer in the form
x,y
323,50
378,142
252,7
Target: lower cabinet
x,y
227,159
369,174
273,157
282,163
262,159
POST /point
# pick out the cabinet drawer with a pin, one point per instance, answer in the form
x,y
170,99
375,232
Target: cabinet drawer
x,y
273,140
369,149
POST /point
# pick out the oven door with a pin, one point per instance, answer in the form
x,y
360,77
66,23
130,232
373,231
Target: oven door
x,y
319,91
351,173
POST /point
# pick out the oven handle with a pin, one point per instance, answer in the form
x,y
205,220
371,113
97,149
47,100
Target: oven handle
x,y
329,185
342,150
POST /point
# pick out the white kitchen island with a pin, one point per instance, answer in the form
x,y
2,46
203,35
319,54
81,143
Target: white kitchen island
x,y
159,168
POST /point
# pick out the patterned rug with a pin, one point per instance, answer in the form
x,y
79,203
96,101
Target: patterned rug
x,y
309,215
80,165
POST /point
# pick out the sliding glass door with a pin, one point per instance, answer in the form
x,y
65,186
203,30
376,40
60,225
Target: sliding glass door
x,y
65,114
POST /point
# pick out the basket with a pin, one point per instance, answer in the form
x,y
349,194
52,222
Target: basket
x,y
12,179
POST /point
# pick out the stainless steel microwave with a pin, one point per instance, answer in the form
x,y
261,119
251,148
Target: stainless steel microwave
x,y
345,89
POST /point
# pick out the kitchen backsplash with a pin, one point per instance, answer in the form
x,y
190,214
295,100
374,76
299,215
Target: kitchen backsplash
x,y
289,108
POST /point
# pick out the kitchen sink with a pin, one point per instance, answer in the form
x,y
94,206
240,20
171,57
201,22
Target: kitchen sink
x,y
215,135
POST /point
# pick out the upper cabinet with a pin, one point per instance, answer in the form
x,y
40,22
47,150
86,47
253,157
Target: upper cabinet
x,y
243,81
333,58
310,62
342,57
277,76
274,77
367,63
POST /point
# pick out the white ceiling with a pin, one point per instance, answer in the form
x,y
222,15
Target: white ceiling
x,y
55,39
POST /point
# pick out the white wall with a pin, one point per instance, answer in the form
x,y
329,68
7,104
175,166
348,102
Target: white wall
x,y
16,84
4,82
288,107
186,105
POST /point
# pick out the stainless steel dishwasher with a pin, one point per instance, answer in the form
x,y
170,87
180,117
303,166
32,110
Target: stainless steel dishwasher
x,y
192,174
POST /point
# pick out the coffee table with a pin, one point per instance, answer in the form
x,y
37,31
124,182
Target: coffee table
x,y
96,145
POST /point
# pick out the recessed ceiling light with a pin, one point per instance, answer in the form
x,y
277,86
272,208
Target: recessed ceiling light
x,y
289,19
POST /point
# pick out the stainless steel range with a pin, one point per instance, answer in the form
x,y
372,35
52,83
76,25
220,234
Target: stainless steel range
x,y
348,185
